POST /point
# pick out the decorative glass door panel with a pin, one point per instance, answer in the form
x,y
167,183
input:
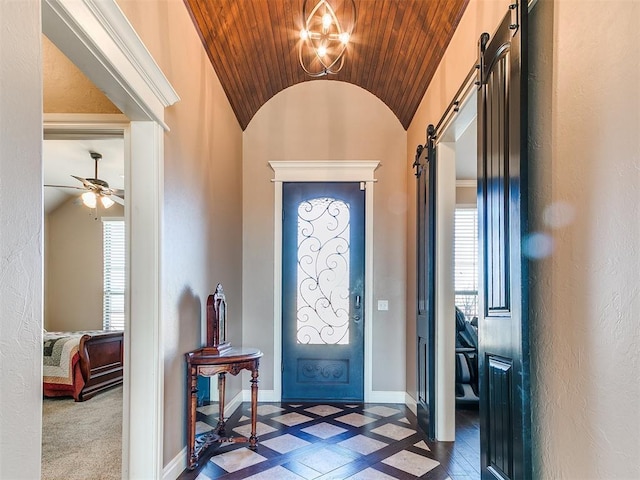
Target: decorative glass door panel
x,y
323,278
323,272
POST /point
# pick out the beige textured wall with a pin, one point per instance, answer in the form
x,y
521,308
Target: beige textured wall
x,y
202,199
480,16
327,120
66,89
20,239
73,285
585,189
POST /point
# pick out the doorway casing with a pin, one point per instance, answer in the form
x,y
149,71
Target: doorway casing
x,y
451,126
324,171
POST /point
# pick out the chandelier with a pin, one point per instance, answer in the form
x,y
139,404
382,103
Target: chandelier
x,y
325,35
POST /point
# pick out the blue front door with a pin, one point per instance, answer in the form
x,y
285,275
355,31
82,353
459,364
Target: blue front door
x,y
323,292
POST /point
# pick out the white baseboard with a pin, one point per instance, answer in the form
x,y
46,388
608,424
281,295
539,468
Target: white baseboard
x,y
178,464
410,402
372,397
263,396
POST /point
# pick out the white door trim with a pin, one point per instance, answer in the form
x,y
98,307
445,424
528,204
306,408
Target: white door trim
x,y
97,37
323,171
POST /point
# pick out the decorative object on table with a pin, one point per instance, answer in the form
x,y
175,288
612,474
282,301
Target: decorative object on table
x,y
217,322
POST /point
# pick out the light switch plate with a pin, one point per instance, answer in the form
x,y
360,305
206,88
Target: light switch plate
x,y
383,304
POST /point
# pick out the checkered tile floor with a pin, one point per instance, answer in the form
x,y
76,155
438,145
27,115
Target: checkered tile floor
x,y
337,442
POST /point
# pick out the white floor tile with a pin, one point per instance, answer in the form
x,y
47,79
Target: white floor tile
x,y
209,409
363,445
393,431
323,410
237,459
411,463
268,409
371,474
285,443
422,445
382,411
261,429
291,419
324,460
276,473
324,430
202,427
355,419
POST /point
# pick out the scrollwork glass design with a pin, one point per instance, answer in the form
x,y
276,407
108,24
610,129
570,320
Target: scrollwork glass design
x,y
323,272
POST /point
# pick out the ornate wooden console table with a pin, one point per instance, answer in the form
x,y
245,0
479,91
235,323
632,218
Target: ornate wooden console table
x,y
210,361
218,357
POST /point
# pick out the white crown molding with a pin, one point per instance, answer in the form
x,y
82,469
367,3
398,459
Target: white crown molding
x,y
98,38
324,170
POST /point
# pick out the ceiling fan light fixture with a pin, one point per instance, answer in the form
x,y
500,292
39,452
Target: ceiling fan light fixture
x,y
89,199
325,35
106,201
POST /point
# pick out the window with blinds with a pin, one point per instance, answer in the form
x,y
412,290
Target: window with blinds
x,y
466,260
114,274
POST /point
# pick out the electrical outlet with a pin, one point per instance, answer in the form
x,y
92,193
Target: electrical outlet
x,y
383,304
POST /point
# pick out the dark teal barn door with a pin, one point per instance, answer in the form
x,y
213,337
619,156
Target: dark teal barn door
x,y
505,414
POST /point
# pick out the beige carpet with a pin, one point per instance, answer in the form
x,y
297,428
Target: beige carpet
x,y
82,441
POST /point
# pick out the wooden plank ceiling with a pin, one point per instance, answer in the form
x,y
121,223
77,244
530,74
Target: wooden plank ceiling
x,y
395,49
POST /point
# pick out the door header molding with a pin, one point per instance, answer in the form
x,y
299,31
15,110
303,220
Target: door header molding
x,y
324,170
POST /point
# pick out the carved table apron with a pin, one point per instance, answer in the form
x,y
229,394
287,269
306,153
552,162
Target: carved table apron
x,y
206,363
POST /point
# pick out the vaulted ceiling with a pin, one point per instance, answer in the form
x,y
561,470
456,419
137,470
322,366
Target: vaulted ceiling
x,y
395,49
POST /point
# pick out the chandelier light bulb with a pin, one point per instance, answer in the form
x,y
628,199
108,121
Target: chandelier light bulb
x,y
344,37
326,21
322,50
89,199
304,34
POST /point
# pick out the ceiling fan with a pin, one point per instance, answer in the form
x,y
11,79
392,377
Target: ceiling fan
x,y
96,189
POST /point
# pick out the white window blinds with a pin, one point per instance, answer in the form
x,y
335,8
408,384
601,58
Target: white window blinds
x,y
466,260
114,274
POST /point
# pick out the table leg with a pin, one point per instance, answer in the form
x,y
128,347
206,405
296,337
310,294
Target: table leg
x,y
221,421
192,399
253,439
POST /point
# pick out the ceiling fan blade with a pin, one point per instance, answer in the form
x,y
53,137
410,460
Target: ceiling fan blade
x,y
117,199
66,186
118,192
85,182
